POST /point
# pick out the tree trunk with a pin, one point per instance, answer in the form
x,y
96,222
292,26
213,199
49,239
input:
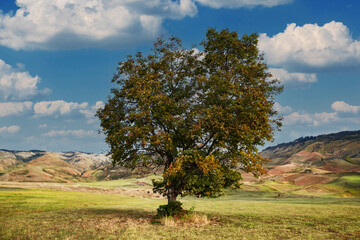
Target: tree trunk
x,y
171,191
172,195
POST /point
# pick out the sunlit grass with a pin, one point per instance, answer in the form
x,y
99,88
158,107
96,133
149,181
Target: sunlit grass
x,y
142,182
49,214
348,181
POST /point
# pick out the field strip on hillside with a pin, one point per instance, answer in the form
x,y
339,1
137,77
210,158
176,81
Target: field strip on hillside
x,y
148,193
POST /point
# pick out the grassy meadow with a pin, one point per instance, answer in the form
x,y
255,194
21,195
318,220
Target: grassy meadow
x,y
30,213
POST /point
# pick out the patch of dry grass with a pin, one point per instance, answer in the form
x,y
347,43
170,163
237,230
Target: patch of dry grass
x,y
191,220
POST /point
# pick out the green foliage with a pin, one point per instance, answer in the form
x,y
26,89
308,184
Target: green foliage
x,y
173,208
201,115
194,174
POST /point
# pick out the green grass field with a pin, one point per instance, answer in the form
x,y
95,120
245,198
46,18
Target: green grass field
x,y
128,182
50,214
348,181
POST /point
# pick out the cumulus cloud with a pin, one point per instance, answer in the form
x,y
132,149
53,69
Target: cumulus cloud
x,y
59,24
11,129
311,46
17,85
76,133
341,106
46,108
310,119
90,113
14,108
293,79
99,23
242,3
282,109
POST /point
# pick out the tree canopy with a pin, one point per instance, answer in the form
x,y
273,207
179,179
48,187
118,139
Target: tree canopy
x,y
199,114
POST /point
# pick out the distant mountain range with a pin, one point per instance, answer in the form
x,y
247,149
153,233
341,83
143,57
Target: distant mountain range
x,y
41,166
305,161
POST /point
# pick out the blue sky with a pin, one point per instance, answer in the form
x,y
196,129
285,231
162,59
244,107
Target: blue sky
x,y
57,59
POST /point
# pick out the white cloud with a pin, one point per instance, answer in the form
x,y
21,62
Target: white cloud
x,y
282,109
324,117
341,106
63,133
44,125
293,78
59,24
242,3
297,117
310,119
14,108
90,113
17,85
330,45
70,24
11,129
61,107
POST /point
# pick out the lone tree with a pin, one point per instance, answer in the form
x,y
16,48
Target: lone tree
x,y
200,115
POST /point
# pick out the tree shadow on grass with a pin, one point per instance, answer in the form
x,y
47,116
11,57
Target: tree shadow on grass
x,y
134,214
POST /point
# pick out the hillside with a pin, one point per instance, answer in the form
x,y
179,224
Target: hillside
x,y
325,164
66,167
41,166
337,152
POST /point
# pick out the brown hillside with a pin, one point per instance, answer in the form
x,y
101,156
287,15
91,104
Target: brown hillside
x,y
39,166
27,175
307,179
305,157
49,159
283,169
313,161
338,152
7,160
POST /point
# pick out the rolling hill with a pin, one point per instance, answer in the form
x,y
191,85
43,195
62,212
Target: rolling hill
x,y
337,146
337,152
66,167
41,166
323,164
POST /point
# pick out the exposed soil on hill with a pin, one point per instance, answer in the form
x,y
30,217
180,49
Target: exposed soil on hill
x,y
283,169
49,159
306,157
332,168
31,174
307,179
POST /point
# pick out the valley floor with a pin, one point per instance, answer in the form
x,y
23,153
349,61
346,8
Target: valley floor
x,y
101,210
